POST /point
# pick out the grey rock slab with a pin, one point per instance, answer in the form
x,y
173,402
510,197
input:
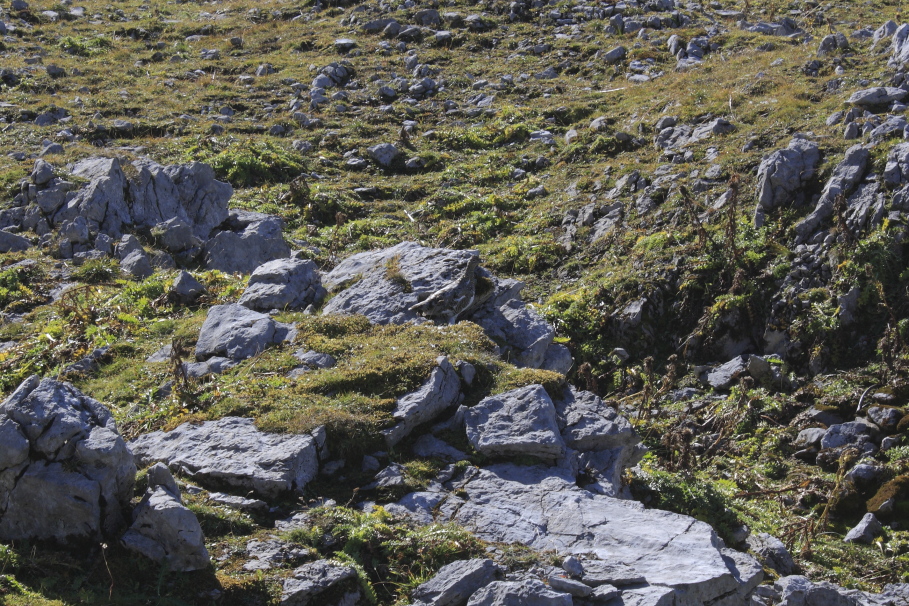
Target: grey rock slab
x,y
236,502
542,508
315,359
249,240
865,531
42,172
10,242
439,392
524,334
383,154
854,432
269,553
896,171
514,593
404,283
649,595
176,235
283,284
568,585
899,46
65,472
186,287
586,423
880,95
456,582
235,332
783,173
137,265
847,174
726,375
809,437
164,530
557,359
772,552
232,452
310,580
429,446
884,417
519,422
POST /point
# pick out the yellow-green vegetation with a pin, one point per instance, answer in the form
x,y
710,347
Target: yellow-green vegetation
x,y
698,273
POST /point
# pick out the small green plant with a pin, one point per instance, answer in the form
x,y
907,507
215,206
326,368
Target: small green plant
x,y
96,271
85,47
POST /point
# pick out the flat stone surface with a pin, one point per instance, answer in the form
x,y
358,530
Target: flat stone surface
x,y
542,508
235,332
456,582
232,452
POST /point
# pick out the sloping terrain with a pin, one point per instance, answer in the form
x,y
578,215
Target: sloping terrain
x,y
392,235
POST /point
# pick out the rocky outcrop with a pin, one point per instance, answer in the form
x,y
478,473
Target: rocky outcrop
x,y
232,452
410,283
113,204
518,422
163,529
455,583
783,173
244,241
437,394
283,284
543,508
847,174
65,472
235,332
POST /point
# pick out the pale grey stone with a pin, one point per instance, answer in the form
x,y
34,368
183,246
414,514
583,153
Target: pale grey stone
x,y
865,531
283,284
880,95
383,154
439,392
247,240
310,580
65,472
518,422
235,332
512,593
13,243
232,452
772,552
456,582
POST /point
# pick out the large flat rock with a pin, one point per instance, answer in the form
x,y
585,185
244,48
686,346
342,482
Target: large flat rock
x,y
232,452
542,508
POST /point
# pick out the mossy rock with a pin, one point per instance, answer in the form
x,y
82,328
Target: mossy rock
x,y
847,503
903,425
896,489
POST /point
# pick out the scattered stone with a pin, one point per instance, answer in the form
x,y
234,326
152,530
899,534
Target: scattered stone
x,y
531,591
13,243
246,240
235,332
772,552
865,531
164,530
311,580
783,174
383,154
284,284
432,398
186,288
